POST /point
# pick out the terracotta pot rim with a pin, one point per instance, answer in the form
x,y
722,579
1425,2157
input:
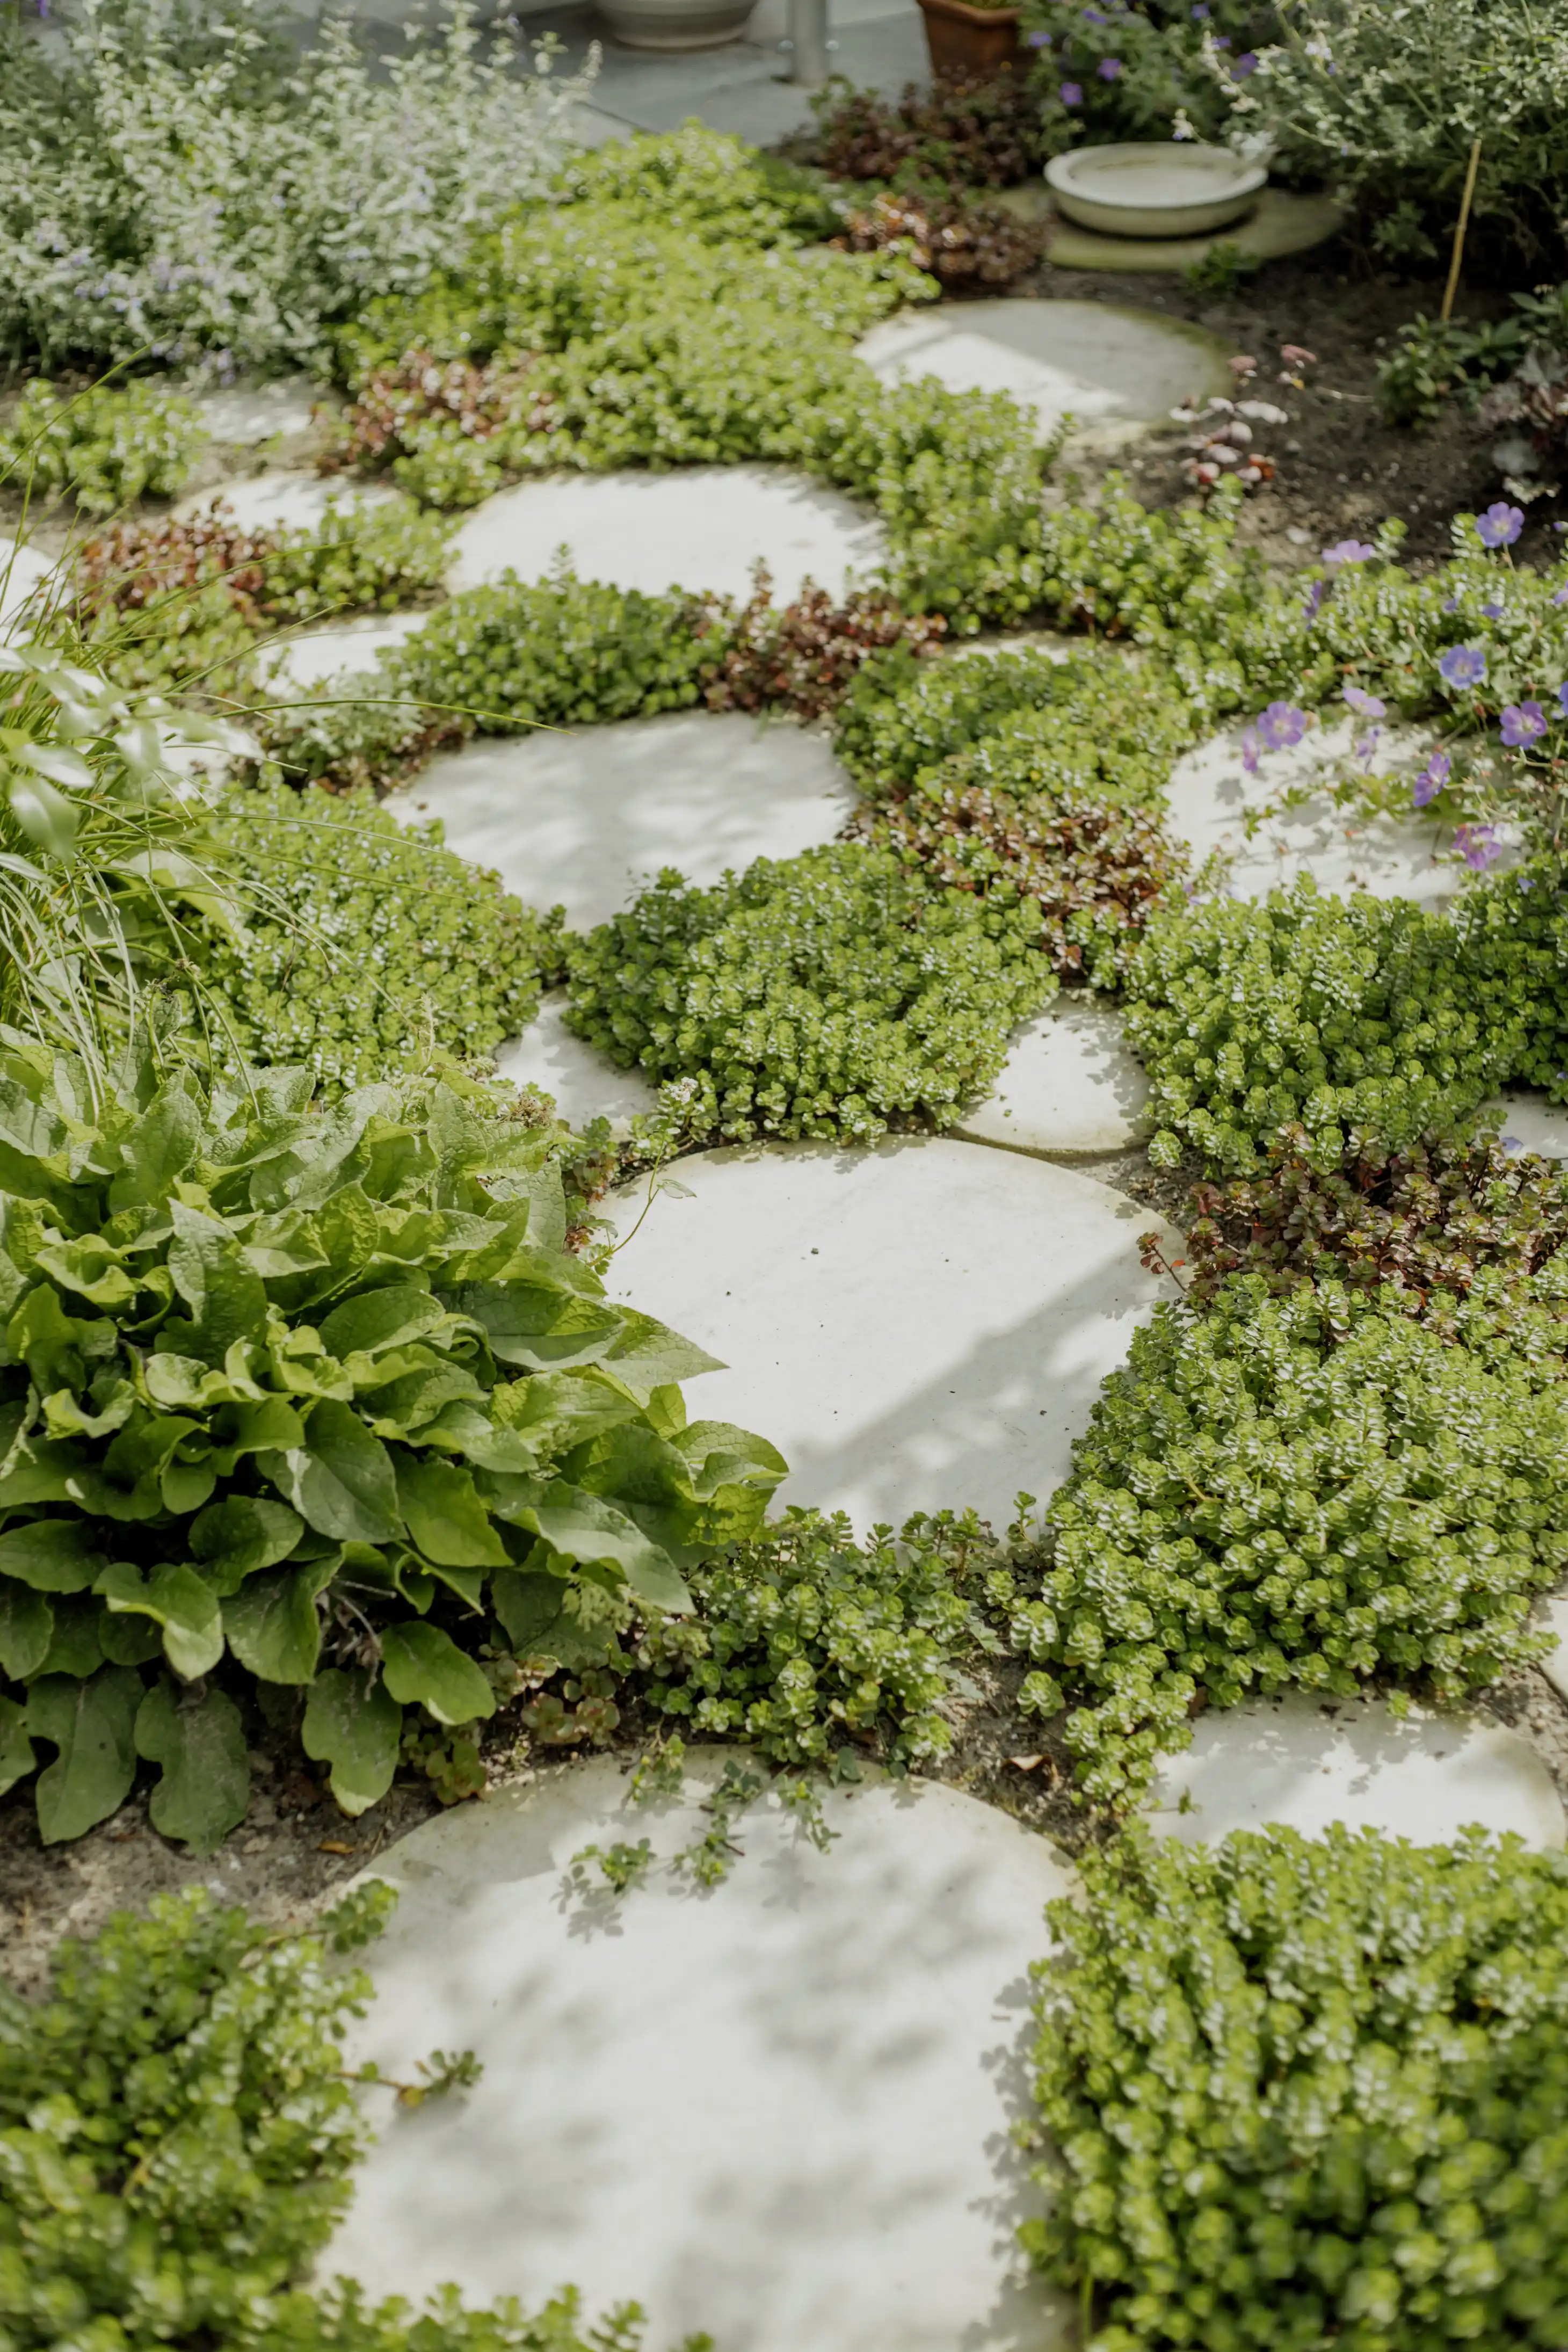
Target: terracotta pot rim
x,y
968,16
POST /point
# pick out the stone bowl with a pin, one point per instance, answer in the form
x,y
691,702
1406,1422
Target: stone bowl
x,y
1163,187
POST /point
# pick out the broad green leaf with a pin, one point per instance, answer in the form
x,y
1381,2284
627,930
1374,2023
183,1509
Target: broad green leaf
x,y
90,1267
588,1531
529,1605
557,1411
187,1486
200,1743
26,1629
226,1300
379,1319
423,1664
273,1626
354,1723
130,1641
538,1327
157,1150
273,1425
175,1598
234,1537
45,815
342,1480
91,1725
51,1555
445,1516
76,1639
17,1755
55,1347
64,1417
648,1355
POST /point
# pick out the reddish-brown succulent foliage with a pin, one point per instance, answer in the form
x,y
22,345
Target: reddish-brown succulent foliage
x,y
419,389
803,657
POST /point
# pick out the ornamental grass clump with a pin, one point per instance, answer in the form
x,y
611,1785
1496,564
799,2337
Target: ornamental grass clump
x,y
313,1400
835,995
1310,1490
1309,2091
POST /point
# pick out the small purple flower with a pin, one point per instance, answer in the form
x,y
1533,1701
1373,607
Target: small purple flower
x,y
1071,93
1500,525
1281,727
1221,40
1491,612
1561,597
1512,1143
1314,603
1522,722
1245,65
1039,40
1200,11
1432,779
1108,68
1562,698
1452,605
1367,704
1463,666
1479,845
1249,750
1349,550
1366,746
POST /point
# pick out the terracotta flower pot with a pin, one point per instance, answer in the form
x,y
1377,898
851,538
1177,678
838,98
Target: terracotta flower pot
x,y
965,40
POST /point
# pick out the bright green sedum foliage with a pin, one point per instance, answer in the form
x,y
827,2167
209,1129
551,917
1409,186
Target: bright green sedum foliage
x,y
313,1400
109,446
1310,1490
1310,2091
177,2135
366,947
830,994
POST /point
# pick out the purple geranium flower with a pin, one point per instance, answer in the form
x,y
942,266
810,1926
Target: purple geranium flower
x,y
1071,93
1245,65
1349,550
1039,40
1432,779
1562,698
1249,750
1463,666
1281,727
1108,68
1500,525
1365,746
1491,612
1479,845
1314,603
1522,722
1367,704
1200,10
1451,605
1561,597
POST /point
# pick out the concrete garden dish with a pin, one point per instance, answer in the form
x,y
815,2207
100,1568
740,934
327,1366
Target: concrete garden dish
x,y
675,23
1154,188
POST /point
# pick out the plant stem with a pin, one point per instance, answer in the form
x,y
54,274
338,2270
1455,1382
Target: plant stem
x,y
1461,226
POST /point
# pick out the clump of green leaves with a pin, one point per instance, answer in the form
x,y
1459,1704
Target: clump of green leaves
x,y
365,947
835,994
1309,2089
107,446
803,1639
1312,1490
317,1399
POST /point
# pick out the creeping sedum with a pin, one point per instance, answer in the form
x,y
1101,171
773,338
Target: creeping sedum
x,y
1309,1490
108,445
1310,2091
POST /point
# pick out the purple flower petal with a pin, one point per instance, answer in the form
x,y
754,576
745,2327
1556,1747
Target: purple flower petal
x,y
1463,666
1071,93
1491,612
1479,845
1522,722
1432,779
1108,68
1367,704
1500,525
1349,550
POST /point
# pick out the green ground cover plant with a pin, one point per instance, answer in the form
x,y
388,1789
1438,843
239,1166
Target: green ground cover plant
x,y
363,946
179,2133
1311,1489
833,994
107,446
303,1408
1308,2090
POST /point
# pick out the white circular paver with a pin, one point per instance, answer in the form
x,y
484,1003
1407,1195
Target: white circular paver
x,y
1553,1614
1210,792
584,1085
339,649
778,2111
246,414
584,819
1069,1088
701,527
920,1325
283,501
1113,369
1307,1761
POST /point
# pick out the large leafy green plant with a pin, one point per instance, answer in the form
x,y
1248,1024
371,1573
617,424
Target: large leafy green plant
x,y
315,1401
1310,2091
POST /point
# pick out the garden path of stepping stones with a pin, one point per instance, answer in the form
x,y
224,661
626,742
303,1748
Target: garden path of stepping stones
x,y
1114,370
919,1325
777,2110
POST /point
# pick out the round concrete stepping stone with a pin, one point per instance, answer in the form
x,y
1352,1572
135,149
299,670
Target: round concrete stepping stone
x,y
282,501
1531,1123
1553,1614
778,2111
916,1327
1308,1761
1116,370
1069,1089
245,414
701,527
584,1085
586,819
1210,792
338,648
1283,222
